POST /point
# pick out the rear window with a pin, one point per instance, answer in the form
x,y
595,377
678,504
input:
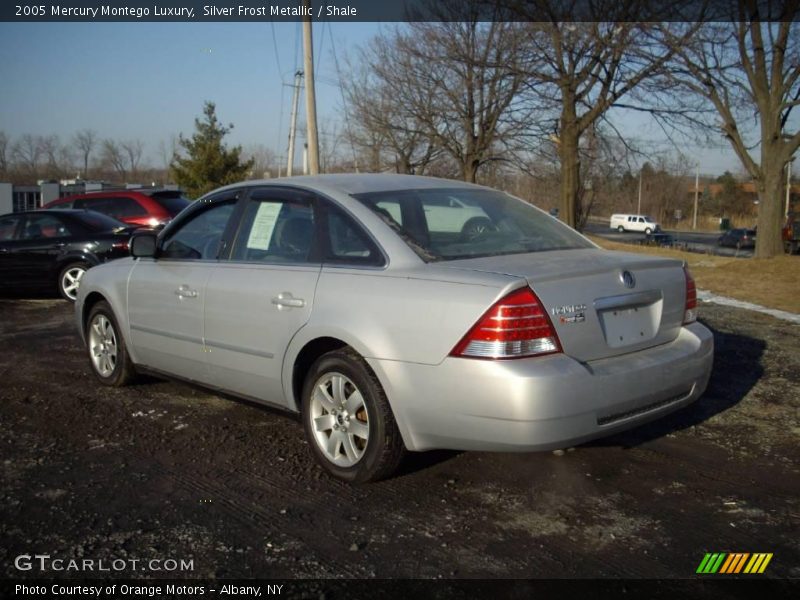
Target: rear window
x,y
95,221
172,202
448,224
117,207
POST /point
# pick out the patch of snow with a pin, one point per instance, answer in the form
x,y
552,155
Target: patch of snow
x,y
707,296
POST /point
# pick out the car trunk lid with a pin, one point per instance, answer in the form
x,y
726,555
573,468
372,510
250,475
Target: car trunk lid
x,y
602,304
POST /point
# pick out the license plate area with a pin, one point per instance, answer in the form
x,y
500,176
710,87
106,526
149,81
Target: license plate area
x,y
630,325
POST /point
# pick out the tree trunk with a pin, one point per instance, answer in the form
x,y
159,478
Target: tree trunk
x,y
770,209
470,169
570,175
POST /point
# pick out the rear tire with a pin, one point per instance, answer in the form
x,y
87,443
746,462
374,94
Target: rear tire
x,y
69,280
108,354
620,229
347,419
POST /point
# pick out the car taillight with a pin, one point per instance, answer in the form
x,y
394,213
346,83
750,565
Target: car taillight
x,y
690,310
517,326
120,245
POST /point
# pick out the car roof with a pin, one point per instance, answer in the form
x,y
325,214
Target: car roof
x,y
47,211
359,183
118,192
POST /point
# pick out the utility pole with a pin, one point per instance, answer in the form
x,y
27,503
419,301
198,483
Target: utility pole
x,y
293,123
696,195
311,97
639,206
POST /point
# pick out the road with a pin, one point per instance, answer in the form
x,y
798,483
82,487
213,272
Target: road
x,y
165,470
696,241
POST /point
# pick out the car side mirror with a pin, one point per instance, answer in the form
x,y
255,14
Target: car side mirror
x,y
143,245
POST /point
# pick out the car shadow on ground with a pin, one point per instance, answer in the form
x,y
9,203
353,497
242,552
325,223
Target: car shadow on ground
x,y
737,368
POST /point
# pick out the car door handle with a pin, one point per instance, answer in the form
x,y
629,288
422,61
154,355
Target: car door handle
x,y
185,292
286,300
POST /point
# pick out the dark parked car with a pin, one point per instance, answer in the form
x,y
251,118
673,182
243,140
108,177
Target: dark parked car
x,y
738,238
662,240
147,207
52,249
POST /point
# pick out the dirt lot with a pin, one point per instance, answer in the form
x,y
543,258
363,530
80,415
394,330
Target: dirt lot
x,y
164,470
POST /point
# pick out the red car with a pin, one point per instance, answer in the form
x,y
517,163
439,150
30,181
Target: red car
x,y
147,207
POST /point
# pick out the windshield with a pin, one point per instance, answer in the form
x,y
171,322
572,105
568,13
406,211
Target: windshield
x,y
448,224
648,220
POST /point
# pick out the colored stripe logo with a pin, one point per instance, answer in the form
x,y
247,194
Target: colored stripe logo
x,y
733,563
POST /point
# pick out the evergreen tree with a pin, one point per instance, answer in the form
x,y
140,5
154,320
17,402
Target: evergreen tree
x,y
207,163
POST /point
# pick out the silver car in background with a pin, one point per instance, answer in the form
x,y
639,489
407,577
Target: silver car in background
x,y
338,297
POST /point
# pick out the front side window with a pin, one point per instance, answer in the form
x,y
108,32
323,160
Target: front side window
x,y
8,227
449,224
200,237
275,230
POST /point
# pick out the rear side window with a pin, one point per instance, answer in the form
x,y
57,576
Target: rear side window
x,y
348,242
41,227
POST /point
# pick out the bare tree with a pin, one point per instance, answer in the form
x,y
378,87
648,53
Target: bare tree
x,y
750,68
85,141
264,160
3,153
580,70
27,154
167,150
457,79
113,156
132,150
382,125
50,149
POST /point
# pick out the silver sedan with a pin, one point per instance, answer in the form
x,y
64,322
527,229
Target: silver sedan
x,y
400,313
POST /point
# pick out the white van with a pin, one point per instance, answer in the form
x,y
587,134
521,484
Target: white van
x,y
641,223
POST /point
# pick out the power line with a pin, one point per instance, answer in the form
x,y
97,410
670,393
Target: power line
x,y
275,46
344,101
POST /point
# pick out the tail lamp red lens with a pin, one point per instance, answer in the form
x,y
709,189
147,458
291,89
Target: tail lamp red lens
x,y
516,326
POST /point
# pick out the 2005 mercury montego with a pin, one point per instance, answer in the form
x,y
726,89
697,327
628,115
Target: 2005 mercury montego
x,y
340,297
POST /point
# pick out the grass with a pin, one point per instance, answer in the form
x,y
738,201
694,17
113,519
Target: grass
x,y
774,282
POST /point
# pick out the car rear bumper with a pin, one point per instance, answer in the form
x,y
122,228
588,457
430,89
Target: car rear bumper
x,y
543,403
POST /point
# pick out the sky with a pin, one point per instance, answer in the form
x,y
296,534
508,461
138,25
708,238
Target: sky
x,y
149,81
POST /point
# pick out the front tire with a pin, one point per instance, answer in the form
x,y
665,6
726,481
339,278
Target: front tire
x,y
648,231
108,355
69,280
620,229
347,419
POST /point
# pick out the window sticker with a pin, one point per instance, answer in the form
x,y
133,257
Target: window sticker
x,y
263,225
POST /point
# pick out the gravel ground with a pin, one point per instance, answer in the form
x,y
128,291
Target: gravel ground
x,y
163,470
